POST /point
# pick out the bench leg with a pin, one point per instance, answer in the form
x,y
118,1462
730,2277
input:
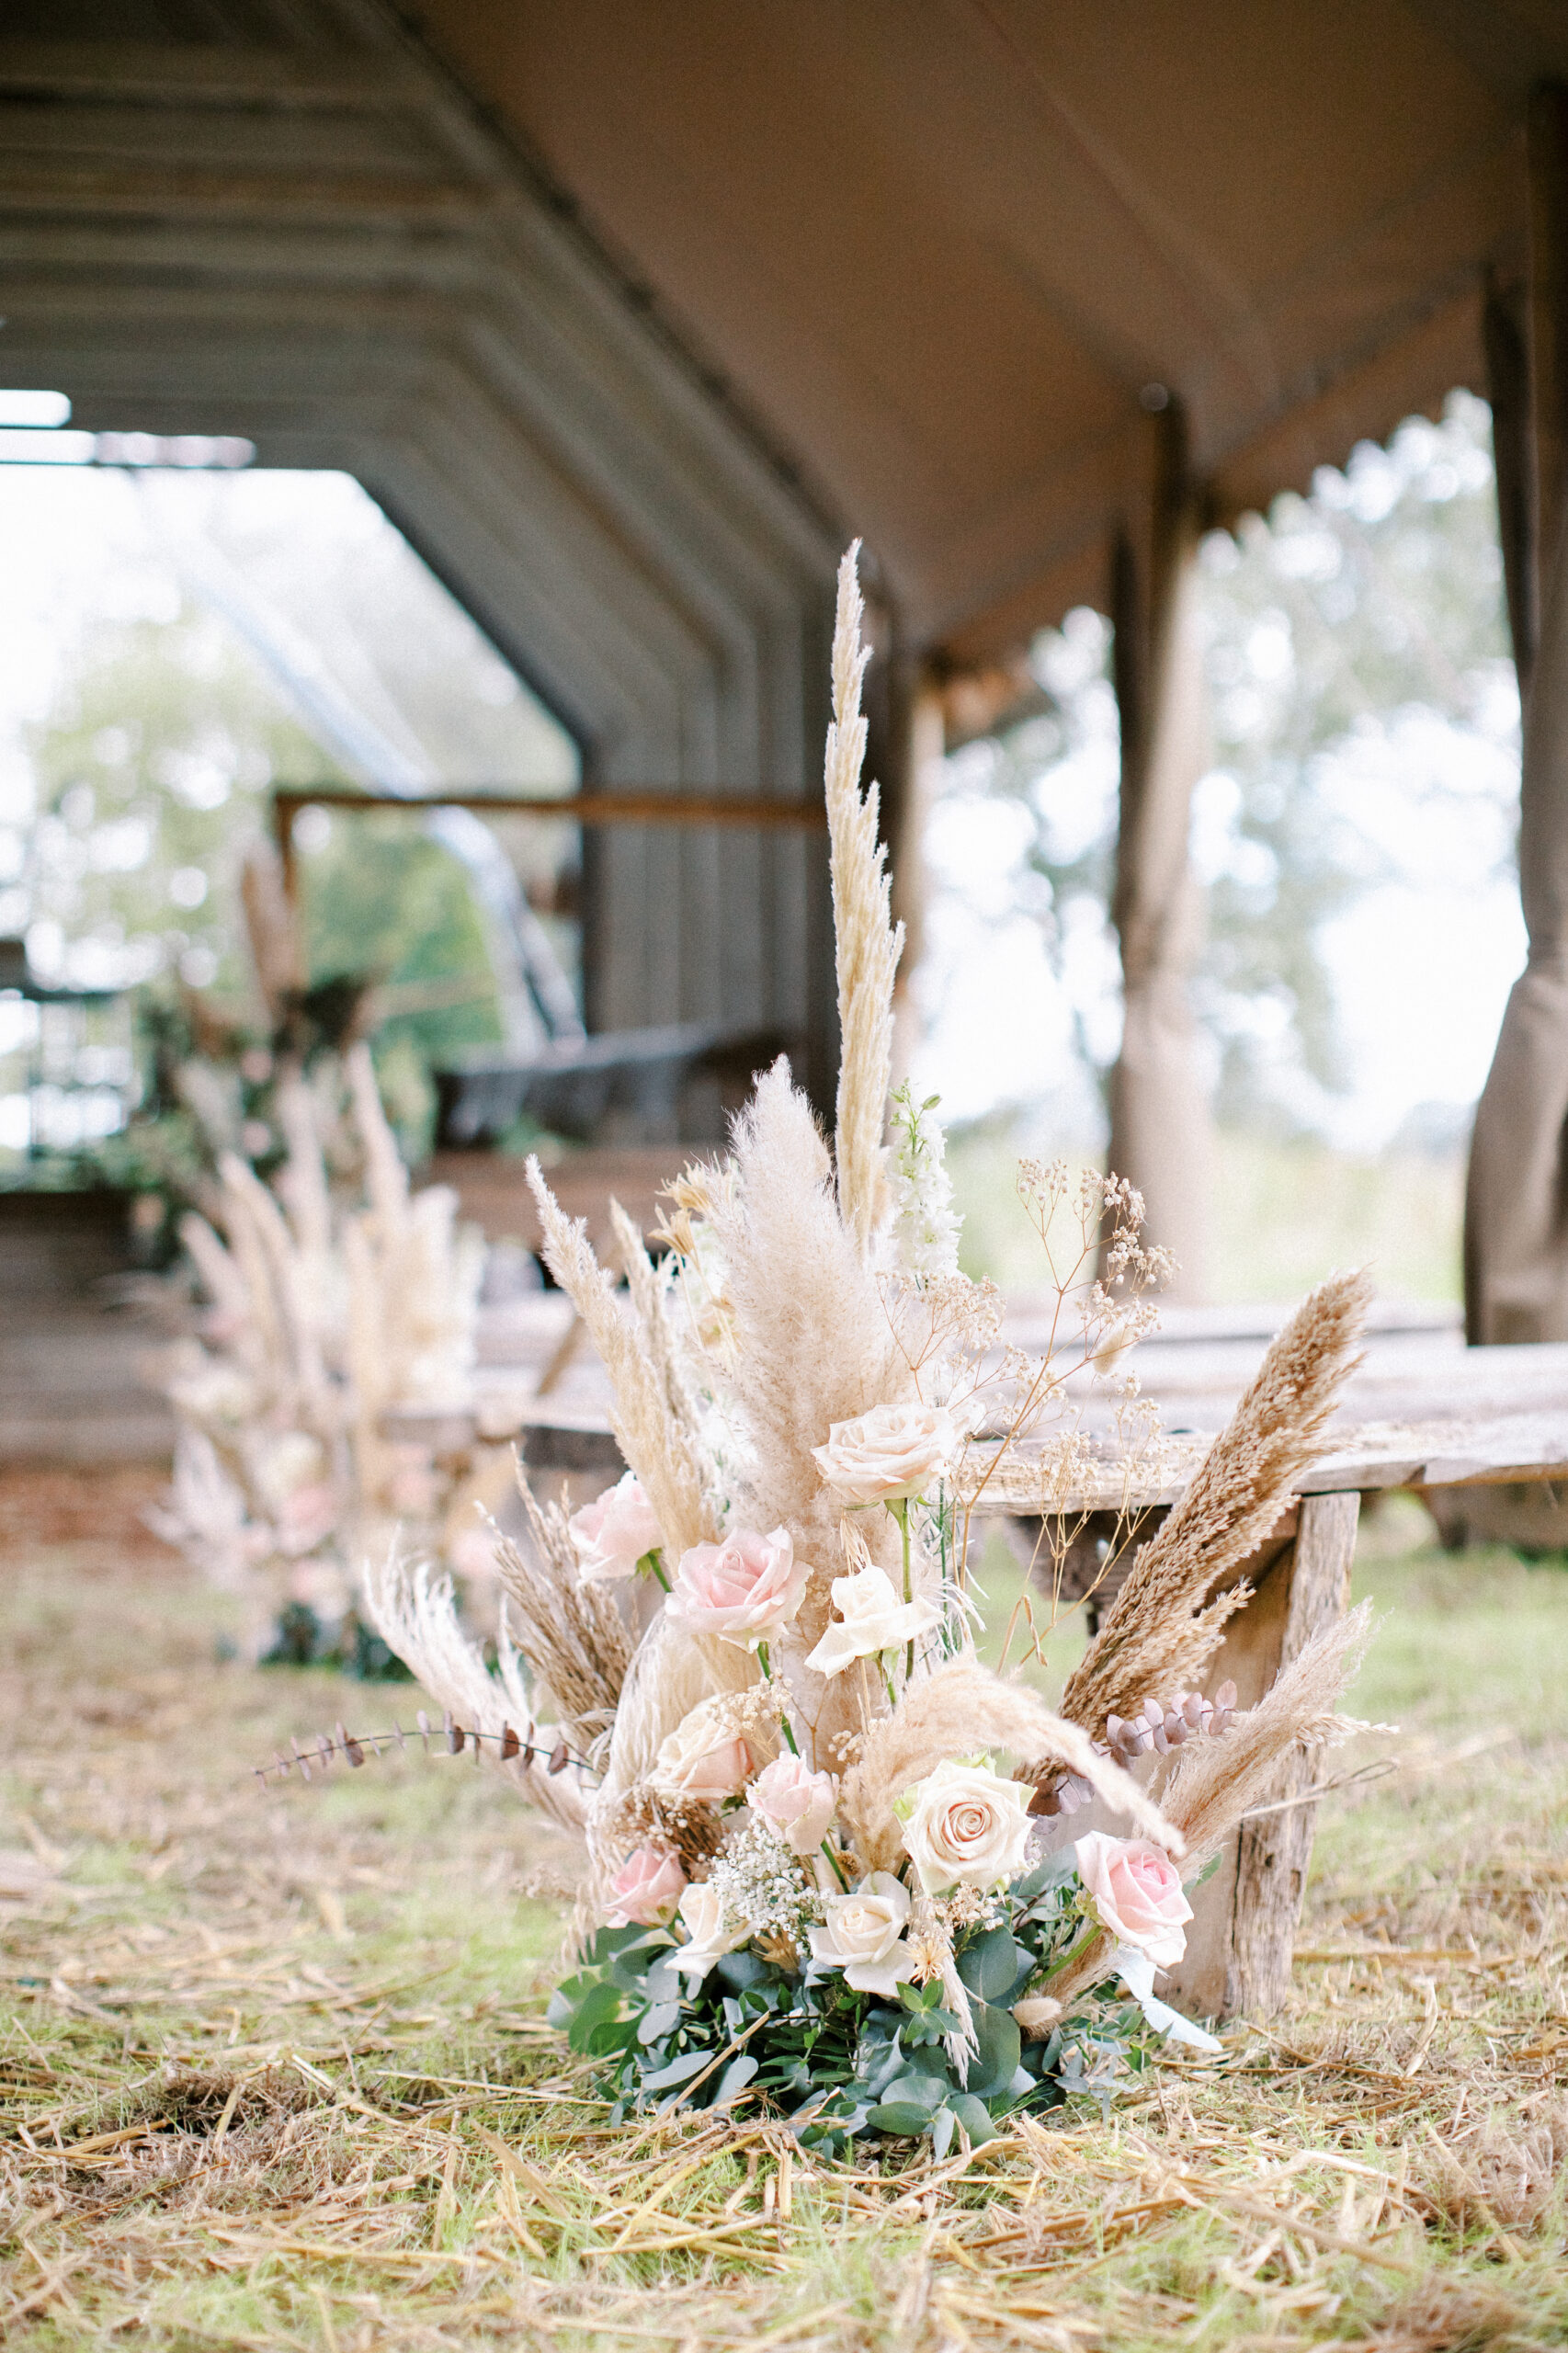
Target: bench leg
x,y
1275,1851
1240,1943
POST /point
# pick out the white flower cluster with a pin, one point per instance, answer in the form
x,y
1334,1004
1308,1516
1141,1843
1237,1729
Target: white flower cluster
x,y
763,1887
970,1907
924,1237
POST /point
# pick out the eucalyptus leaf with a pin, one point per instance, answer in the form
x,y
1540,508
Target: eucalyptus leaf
x,y
741,1969
975,2117
679,2071
664,1983
992,1963
902,2117
599,2006
662,2019
917,2090
1001,2045
736,2078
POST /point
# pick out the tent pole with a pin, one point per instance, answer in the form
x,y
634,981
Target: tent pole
x,y
1515,1239
1160,1136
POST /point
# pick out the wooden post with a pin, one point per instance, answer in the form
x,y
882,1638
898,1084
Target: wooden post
x,y
1240,1943
1516,1244
1159,1120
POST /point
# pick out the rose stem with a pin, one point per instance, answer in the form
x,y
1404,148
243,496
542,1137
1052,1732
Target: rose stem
x,y
1079,1946
767,1666
656,1564
900,1511
833,1866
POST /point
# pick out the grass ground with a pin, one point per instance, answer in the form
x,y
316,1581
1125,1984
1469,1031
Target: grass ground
x,y
274,2071
1292,1212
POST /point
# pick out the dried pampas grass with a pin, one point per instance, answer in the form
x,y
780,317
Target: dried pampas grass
x,y
1157,1639
650,1308
415,1616
571,1632
961,1708
650,1436
813,1344
1213,1782
868,945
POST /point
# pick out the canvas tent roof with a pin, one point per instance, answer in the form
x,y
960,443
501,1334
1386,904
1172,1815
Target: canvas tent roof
x,y
942,250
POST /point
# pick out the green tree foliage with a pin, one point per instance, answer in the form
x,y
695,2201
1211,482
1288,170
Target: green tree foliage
x,y
153,772
149,773
1350,638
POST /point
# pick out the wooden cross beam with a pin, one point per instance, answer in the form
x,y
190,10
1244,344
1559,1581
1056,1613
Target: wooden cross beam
x,y
646,805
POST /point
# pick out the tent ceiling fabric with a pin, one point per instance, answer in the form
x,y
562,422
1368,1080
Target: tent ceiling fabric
x,y
943,249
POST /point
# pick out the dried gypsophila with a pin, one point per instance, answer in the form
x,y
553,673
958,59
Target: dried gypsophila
x,y
763,1886
970,1907
689,1829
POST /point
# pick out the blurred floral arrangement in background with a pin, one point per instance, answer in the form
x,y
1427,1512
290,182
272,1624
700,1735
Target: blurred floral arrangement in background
x,y
827,1855
325,1316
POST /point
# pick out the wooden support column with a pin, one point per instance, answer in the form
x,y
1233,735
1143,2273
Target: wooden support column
x,y
1516,1199
1159,1118
1240,1944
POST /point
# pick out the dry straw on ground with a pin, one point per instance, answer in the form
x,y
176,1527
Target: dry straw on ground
x,y
274,2073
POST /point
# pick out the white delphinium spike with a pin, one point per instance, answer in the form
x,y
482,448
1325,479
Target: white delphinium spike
x,y
923,1239
868,945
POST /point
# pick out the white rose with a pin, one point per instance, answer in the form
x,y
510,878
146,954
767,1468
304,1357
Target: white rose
x,y
966,1824
871,1618
864,1936
704,1757
701,1913
889,1453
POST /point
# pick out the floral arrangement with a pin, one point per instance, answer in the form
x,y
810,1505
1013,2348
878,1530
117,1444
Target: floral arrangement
x,y
831,1859
324,1317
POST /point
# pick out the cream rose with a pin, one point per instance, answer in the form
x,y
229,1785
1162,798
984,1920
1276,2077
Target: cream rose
x,y
701,1914
703,1758
864,1936
645,1890
796,1802
892,1452
746,1589
612,1534
967,1826
1135,1891
870,1618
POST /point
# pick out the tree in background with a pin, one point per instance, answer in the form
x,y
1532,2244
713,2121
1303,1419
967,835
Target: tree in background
x,y
198,617
1364,710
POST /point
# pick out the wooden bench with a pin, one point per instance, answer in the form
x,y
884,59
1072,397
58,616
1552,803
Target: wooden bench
x,y
1483,1420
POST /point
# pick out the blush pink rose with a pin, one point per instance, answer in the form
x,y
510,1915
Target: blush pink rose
x,y
1135,1891
796,1802
647,1889
612,1533
746,1589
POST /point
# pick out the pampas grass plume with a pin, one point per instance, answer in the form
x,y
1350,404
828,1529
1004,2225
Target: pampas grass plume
x,y
1156,1639
868,945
